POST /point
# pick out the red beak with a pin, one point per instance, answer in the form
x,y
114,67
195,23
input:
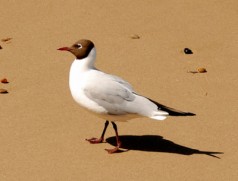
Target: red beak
x,y
64,49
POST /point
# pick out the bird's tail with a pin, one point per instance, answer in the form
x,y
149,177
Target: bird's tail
x,y
161,118
170,111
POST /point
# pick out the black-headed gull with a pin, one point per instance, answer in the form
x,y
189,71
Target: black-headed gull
x,y
109,96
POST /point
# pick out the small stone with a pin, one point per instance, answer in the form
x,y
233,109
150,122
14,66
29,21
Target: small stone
x,y
3,91
0,47
6,39
187,51
201,70
4,81
135,36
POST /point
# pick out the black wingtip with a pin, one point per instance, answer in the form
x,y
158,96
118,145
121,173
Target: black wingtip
x,y
179,113
172,111
190,114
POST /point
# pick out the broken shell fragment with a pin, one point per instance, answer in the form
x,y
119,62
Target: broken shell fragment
x,y
135,36
6,39
3,91
199,70
4,81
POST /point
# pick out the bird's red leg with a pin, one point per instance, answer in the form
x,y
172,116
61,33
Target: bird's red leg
x,y
101,139
114,150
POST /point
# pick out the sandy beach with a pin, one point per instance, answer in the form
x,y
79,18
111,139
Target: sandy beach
x,y
43,130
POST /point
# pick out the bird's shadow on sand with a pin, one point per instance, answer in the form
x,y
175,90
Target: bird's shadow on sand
x,y
156,143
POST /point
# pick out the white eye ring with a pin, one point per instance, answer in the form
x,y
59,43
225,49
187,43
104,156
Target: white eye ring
x,y
79,46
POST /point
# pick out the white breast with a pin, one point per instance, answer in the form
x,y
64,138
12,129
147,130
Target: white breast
x,y
77,81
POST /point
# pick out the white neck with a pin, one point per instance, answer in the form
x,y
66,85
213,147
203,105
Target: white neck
x,y
86,63
80,67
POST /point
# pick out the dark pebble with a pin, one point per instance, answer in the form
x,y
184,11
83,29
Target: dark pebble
x,y
187,51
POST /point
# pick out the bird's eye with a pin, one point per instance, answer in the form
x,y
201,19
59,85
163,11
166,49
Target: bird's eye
x,y
79,46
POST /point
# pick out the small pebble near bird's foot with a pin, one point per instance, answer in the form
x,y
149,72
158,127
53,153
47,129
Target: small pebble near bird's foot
x,y
187,51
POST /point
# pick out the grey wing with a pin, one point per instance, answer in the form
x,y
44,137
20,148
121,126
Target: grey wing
x,y
123,82
110,93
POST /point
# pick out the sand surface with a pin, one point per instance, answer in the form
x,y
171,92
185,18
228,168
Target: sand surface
x,y
43,131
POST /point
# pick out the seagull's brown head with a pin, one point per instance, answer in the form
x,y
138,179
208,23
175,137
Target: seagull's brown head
x,y
80,49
